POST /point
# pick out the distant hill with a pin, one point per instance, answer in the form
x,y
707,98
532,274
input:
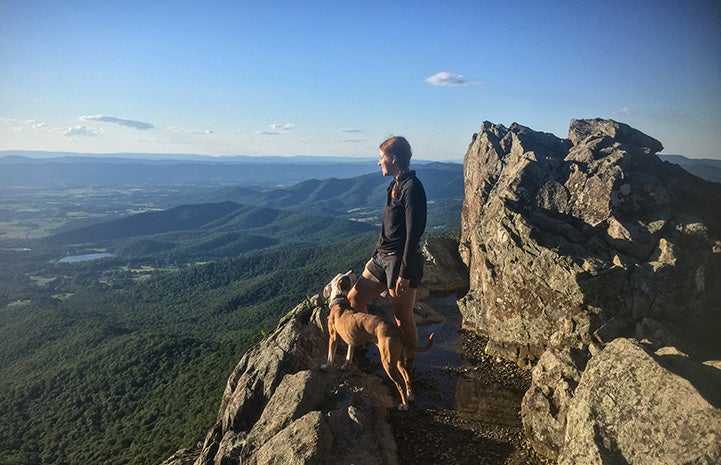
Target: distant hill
x,y
704,168
359,198
232,221
209,231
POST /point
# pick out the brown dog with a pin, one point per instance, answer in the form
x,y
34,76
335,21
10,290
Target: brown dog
x,y
357,328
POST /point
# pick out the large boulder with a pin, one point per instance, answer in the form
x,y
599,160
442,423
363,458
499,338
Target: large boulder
x,y
545,405
443,271
582,240
640,407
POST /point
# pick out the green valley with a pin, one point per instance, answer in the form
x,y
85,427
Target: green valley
x,y
123,359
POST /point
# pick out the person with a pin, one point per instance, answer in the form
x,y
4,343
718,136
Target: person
x,y
397,262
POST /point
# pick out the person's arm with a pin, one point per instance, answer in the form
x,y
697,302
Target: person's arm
x,y
416,212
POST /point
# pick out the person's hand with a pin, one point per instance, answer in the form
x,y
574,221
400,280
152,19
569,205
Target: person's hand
x,y
402,285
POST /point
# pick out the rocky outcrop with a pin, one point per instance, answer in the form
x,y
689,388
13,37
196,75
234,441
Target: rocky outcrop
x,y
636,406
280,408
573,246
586,239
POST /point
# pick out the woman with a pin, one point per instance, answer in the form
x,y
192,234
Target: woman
x,y
397,263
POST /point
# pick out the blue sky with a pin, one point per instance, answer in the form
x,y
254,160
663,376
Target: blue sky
x,y
338,77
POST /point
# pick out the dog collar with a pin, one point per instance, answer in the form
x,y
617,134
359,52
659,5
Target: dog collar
x,y
339,300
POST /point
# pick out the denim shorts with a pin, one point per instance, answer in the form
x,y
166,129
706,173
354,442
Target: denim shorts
x,y
386,267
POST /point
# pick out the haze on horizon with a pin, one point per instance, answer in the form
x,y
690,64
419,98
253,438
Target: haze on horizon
x,y
336,78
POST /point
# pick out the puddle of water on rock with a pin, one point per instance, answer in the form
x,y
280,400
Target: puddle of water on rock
x,y
439,380
490,403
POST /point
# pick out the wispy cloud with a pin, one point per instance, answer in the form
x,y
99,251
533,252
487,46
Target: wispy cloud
x,y
446,79
622,111
21,124
129,123
282,127
83,131
178,130
351,130
276,129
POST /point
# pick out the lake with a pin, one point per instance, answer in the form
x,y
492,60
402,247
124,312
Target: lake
x,y
85,258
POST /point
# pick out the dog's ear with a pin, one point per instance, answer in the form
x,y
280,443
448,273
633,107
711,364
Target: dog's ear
x,y
352,277
345,283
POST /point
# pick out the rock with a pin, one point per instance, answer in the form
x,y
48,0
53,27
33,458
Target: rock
x,y
546,403
639,407
444,271
424,314
182,457
578,241
297,344
278,407
306,440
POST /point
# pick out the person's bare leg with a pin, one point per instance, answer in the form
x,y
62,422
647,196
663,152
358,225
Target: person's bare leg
x,y
364,291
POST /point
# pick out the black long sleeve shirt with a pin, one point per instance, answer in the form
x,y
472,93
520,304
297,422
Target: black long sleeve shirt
x,y
404,220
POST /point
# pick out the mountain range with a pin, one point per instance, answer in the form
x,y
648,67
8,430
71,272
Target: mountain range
x,y
704,168
238,219
68,170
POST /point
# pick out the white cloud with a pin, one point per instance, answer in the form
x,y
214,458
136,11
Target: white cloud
x,y
21,124
281,127
622,111
83,131
177,130
122,122
445,79
351,131
276,129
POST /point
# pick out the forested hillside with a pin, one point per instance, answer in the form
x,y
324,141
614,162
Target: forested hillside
x,y
122,375
202,232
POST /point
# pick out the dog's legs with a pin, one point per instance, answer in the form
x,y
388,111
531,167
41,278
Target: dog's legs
x,y
332,345
348,358
390,365
395,375
407,380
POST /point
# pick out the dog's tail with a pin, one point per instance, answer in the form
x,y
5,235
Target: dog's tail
x,y
420,350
